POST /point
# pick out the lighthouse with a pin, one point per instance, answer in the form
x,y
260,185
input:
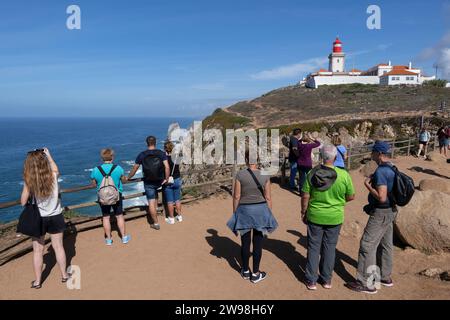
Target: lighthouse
x,y
337,57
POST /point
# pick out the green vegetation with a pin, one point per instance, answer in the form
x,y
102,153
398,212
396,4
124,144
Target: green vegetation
x,y
435,83
297,104
226,120
193,192
360,88
72,214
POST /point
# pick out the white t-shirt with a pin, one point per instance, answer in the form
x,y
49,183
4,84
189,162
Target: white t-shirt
x,y
52,205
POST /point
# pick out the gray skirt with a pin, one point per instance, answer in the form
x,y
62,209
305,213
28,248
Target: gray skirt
x,y
252,216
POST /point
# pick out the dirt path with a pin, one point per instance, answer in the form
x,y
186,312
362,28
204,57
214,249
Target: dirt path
x,y
198,259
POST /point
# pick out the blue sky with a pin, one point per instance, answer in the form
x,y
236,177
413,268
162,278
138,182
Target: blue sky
x,y
185,58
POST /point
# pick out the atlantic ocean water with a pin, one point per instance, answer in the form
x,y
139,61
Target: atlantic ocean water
x,y
75,144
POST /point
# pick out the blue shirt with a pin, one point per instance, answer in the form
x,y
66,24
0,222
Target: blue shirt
x,y
340,162
116,175
383,176
424,136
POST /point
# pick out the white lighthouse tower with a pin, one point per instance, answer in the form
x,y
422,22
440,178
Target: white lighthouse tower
x,y
337,58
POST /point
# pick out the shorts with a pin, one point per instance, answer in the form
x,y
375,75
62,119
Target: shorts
x,y
172,192
151,191
117,209
53,224
443,143
423,142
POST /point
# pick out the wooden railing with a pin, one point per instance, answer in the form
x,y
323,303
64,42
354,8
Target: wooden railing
x,y
233,168
397,147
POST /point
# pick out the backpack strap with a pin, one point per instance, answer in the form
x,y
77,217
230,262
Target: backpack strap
x,y
260,188
112,169
103,171
342,154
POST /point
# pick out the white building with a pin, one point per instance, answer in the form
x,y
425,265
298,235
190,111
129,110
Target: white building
x,y
382,74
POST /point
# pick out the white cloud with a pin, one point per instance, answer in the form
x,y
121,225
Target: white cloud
x,y
436,50
444,63
290,71
306,66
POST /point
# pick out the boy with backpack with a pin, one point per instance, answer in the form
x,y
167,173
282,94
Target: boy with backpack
x,y
156,172
387,188
108,179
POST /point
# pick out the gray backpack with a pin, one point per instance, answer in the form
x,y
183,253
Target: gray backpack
x,y
108,194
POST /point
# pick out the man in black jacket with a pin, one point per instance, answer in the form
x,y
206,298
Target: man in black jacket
x,y
293,155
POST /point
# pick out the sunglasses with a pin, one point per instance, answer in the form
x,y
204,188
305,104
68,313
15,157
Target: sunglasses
x,y
36,150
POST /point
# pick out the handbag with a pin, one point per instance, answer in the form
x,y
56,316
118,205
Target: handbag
x,y
30,220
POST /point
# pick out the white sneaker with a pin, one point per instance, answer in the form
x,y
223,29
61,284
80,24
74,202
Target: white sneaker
x,y
179,218
170,220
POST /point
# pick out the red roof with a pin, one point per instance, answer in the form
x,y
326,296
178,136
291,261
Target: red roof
x,y
400,72
337,41
355,70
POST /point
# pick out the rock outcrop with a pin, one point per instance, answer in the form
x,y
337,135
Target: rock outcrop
x,y
435,156
424,223
439,185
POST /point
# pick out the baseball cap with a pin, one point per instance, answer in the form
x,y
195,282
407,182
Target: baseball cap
x,y
381,147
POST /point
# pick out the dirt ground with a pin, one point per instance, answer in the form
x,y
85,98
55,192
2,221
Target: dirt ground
x,y
199,257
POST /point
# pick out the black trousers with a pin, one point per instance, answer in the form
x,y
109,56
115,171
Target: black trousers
x,y
257,249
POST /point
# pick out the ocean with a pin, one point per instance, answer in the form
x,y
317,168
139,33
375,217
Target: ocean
x,y
75,145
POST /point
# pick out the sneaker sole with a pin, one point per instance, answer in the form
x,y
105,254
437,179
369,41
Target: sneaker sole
x,y
259,280
390,285
369,292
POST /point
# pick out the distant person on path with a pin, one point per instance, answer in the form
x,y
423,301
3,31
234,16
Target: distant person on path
x,y
443,140
376,247
156,171
424,140
447,134
326,191
40,176
304,161
293,156
172,190
110,194
252,207
341,156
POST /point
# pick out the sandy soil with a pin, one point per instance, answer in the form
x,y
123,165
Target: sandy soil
x,y
199,258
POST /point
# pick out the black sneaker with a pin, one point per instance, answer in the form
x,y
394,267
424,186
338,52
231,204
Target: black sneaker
x,y
387,282
260,276
359,287
246,274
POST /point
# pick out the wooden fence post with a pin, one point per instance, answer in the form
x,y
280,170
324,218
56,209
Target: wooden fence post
x,y
409,147
393,149
233,174
349,154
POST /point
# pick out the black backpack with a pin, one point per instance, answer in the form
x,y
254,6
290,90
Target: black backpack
x,y
403,188
153,168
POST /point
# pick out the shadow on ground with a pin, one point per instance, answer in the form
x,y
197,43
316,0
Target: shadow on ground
x,y
428,171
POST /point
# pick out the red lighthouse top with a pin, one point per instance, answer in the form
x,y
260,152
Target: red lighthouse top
x,y
337,45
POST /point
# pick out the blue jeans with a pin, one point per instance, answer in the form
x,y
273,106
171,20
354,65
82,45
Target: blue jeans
x,y
322,241
293,174
151,191
303,170
172,192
